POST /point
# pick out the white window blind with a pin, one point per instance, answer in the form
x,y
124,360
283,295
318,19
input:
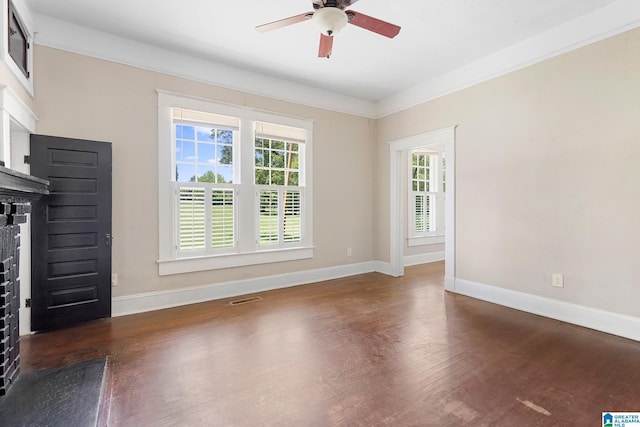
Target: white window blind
x,y
269,217
206,218
222,218
292,227
192,227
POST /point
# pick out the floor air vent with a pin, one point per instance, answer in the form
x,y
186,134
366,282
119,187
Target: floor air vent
x,y
245,300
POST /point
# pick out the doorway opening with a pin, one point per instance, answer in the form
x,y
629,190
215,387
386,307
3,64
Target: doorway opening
x,y
399,150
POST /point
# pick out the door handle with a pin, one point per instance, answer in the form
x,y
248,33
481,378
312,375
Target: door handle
x,y
107,239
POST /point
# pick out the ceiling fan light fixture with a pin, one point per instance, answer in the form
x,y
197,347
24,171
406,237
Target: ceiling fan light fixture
x,y
330,20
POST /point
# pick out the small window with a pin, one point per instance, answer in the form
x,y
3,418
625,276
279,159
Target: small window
x,y
18,41
426,196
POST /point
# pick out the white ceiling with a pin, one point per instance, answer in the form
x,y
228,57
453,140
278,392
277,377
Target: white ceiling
x,y
437,36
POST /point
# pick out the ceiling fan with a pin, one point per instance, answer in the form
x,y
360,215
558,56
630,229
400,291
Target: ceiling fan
x,y
331,17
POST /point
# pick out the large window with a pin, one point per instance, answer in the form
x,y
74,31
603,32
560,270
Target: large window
x,y
238,181
427,187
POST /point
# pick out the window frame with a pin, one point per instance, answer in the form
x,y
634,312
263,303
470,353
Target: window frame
x,y
25,22
247,251
437,180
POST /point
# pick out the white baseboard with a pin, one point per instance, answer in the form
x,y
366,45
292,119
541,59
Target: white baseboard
x,y
410,260
600,320
150,301
384,268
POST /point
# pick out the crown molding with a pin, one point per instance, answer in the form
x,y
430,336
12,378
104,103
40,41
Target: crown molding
x,y
600,24
63,35
615,18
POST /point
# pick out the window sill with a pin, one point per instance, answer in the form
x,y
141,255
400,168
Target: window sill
x,y
214,262
421,241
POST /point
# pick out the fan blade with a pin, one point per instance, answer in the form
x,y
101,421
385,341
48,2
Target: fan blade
x,y
373,24
347,3
326,44
284,22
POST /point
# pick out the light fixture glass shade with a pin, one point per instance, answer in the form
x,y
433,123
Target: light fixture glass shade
x,y
330,20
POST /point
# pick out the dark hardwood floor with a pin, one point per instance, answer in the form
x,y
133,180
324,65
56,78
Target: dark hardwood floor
x,y
362,351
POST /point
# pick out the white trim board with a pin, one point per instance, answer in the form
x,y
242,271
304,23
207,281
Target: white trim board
x,y
599,320
151,301
63,35
425,258
397,214
17,109
615,18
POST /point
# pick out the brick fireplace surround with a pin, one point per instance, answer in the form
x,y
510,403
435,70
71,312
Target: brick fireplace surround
x,y
17,190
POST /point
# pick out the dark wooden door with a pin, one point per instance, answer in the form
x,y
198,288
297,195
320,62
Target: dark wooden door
x,y
71,232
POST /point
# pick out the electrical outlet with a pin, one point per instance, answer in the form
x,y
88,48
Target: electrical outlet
x,y
114,279
557,280
349,252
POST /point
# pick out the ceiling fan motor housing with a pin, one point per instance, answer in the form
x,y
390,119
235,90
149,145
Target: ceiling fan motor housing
x,y
330,20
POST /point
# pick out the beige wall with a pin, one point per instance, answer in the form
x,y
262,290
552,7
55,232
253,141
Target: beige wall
x,y
87,98
547,175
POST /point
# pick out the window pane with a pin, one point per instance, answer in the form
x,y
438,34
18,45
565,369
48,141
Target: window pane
x,y
18,43
293,161
178,150
188,151
222,222
259,157
206,173
224,154
188,132
224,136
262,176
206,153
293,178
277,159
277,178
185,173
205,134
225,174
191,219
